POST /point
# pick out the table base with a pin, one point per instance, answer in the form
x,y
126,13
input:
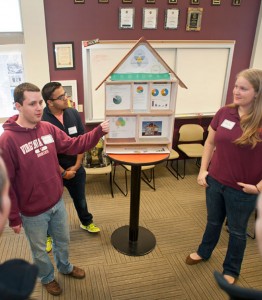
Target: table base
x,y
145,243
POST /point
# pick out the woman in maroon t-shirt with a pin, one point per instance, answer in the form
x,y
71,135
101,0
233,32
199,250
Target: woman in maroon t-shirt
x,y
232,174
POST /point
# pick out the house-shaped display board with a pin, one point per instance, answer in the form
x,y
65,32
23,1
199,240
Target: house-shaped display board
x,y
140,102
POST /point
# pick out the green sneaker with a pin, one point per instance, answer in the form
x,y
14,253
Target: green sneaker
x,y
48,244
92,228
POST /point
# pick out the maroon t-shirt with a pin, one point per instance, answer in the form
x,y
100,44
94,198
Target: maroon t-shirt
x,y
233,163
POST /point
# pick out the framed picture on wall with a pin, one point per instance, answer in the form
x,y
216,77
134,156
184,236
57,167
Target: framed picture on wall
x,y
216,2
126,18
194,2
172,1
79,1
171,18
126,1
70,87
150,18
103,1
236,2
64,55
194,18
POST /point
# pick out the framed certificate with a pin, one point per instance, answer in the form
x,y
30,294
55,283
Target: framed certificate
x,y
126,18
194,18
64,55
150,18
171,18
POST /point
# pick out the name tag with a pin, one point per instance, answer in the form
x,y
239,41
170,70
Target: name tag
x,y
228,124
72,130
47,139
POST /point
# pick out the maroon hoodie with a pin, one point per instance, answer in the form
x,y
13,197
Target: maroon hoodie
x,y
30,156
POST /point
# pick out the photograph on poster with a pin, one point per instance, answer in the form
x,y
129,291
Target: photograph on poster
x,y
118,96
153,127
160,96
122,127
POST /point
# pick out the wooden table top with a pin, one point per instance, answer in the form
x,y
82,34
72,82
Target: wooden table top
x,y
139,159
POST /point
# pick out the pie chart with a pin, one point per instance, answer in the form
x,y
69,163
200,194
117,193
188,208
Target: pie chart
x,y
117,99
155,92
139,89
164,92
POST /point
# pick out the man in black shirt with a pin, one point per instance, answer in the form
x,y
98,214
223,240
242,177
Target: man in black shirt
x,y
68,119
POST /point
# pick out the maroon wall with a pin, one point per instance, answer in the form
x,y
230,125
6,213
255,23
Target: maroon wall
x,y
66,21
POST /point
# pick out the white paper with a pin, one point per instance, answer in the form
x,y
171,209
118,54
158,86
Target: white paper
x,y
137,150
122,127
141,60
140,94
118,97
160,96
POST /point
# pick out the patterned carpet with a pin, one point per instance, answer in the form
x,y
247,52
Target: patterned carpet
x,y
175,213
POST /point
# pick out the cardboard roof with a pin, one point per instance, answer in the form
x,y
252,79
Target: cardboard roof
x,y
143,41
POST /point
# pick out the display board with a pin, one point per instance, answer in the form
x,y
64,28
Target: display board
x,y
141,116
204,66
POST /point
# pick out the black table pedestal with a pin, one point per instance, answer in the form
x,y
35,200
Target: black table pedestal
x,y
145,242
132,239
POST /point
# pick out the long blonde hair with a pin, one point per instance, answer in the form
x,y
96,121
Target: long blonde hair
x,y
251,123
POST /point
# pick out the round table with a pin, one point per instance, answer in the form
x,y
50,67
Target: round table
x,y
132,239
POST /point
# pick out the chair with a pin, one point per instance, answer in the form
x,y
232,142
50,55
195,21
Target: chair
x,y
147,179
100,171
236,292
190,143
173,157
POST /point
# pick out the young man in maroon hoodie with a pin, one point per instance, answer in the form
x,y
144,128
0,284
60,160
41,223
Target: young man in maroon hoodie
x,y
30,148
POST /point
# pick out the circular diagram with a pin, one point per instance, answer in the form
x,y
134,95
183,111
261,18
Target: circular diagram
x,y
117,99
139,89
155,92
164,92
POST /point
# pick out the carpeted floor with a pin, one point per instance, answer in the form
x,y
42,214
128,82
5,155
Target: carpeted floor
x,y
175,213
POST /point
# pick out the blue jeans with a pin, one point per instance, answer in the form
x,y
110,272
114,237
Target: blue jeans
x,y
55,222
76,188
223,201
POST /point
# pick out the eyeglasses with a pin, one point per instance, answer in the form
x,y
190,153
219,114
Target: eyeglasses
x,y
62,97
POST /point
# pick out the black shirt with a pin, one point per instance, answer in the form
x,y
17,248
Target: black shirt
x,y
72,126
